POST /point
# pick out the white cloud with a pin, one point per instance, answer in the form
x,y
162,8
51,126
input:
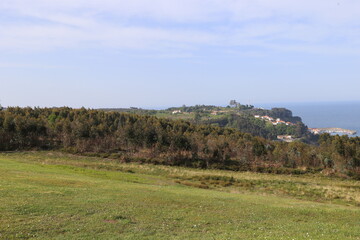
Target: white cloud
x,y
161,25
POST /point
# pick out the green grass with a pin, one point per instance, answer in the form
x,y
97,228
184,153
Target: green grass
x,y
49,195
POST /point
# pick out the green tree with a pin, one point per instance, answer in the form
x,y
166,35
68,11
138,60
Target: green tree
x,y
197,117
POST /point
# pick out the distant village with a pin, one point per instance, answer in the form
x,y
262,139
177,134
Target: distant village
x,y
277,121
274,121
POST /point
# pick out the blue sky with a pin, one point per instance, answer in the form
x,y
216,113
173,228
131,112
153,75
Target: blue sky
x,y
160,53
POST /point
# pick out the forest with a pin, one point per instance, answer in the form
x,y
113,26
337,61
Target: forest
x,y
235,115
149,139
248,124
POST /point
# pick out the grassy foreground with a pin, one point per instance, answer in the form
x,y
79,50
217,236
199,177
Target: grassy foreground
x,y
49,195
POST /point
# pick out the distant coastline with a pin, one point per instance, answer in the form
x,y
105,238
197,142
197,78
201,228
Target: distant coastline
x,y
344,115
332,131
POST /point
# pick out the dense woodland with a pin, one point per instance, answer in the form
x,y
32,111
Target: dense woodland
x,y
243,119
248,124
131,137
237,116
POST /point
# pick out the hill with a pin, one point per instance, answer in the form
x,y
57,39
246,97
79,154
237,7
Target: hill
x,y
138,138
238,116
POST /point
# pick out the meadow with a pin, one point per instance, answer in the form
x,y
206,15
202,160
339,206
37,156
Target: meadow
x,y
54,195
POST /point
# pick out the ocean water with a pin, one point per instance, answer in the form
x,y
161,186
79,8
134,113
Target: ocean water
x,y
323,115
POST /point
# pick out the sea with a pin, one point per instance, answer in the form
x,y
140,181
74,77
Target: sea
x,y
325,114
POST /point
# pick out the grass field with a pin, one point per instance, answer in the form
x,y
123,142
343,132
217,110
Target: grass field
x,y
51,195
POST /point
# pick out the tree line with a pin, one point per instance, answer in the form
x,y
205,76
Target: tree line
x,y
132,137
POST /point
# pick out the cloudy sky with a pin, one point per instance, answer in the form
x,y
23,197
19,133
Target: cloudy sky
x,y
160,53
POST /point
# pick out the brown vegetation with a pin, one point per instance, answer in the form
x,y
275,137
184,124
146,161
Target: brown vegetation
x,y
131,137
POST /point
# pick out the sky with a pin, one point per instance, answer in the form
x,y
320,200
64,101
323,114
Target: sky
x,y
162,53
